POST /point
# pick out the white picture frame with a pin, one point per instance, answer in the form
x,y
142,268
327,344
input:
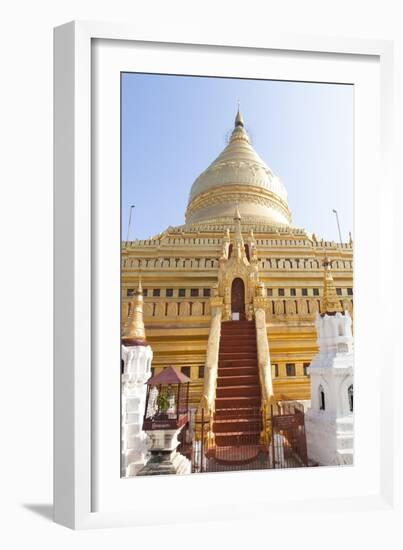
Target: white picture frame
x,y
83,484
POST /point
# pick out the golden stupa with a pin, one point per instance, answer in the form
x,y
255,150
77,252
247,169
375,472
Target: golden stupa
x,y
237,229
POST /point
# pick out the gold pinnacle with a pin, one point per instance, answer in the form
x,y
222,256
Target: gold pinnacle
x,y
134,331
331,303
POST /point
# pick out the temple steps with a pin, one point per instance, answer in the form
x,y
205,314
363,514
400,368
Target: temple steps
x,y
237,402
229,355
246,337
236,425
237,391
236,345
231,371
238,438
238,379
234,325
237,418
237,413
237,455
230,362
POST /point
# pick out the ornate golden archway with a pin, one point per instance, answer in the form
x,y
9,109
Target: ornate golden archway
x,y
235,265
238,297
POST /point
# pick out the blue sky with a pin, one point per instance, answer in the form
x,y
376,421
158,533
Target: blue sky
x,y
173,127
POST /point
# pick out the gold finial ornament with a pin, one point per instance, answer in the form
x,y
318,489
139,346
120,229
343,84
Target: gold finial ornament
x,y
238,242
239,119
331,303
237,215
134,332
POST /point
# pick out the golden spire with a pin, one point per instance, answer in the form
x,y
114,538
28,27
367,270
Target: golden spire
x,y
331,303
237,215
134,332
239,119
239,132
239,249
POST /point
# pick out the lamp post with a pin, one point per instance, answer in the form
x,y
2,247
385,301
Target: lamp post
x,y
130,220
338,224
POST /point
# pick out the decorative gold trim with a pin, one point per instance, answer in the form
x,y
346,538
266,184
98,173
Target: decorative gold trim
x,y
237,194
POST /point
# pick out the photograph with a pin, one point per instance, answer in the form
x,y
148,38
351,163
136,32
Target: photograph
x,y
203,216
237,348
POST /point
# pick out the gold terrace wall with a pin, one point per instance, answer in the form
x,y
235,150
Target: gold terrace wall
x,y
178,269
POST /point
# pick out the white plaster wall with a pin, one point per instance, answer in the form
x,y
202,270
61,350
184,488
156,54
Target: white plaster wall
x,y
137,370
330,440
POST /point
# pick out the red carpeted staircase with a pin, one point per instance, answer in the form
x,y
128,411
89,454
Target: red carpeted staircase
x,y
237,420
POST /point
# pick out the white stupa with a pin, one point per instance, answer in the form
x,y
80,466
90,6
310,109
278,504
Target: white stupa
x,y
329,421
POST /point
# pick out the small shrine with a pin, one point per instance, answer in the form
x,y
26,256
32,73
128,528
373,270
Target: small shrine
x,y
166,415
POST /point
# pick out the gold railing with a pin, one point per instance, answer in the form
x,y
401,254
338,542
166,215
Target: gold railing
x,y
265,378
207,403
